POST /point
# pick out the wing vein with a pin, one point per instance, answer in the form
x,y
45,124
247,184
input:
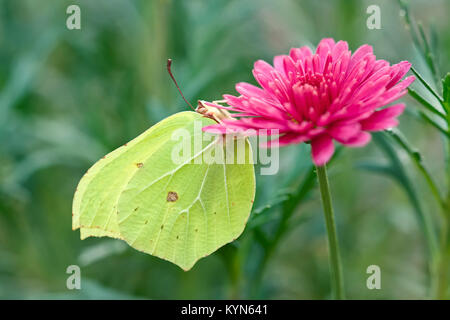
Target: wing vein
x,y
226,194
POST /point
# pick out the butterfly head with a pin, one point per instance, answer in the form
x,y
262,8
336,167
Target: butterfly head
x,y
213,111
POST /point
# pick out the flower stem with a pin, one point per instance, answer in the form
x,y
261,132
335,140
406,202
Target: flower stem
x,y
417,160
333,245
444,259
442,283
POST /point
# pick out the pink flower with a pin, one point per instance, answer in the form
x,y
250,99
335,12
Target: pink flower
x,y
321,97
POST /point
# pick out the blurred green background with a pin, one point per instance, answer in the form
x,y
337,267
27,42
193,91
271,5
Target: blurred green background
x,y
67,97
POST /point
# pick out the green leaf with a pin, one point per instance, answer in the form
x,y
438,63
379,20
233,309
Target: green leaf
x,y
446,86
434,124
395,169
446,92
425,103
426,85
417,159
427,53
179,212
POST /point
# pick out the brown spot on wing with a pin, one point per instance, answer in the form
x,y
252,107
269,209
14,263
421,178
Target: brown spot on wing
x,y
172,196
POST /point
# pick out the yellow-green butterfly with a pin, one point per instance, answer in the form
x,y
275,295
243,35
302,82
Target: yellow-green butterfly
x,y
179,212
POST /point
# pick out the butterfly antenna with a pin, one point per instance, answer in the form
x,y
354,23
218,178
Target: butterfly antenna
x,y
169,69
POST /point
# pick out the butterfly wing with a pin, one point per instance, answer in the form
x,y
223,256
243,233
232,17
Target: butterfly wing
x,y
176,211
95,200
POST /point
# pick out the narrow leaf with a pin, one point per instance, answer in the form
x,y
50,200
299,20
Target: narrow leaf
x,y
429,88
425,103
434,124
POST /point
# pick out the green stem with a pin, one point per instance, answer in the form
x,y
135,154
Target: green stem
x,y
417,160
427,86
442,283
434,124
425,103
232,258
442,272
236,276
333,245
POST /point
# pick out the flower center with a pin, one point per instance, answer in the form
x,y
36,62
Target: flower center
x,y
313,94
313,79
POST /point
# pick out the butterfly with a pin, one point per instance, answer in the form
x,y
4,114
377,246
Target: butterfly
x,y
179,211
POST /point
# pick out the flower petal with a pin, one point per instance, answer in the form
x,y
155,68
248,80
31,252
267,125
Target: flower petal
x,y
360,140
360,53
339,49
344,132
383,119
322,149
300,53
398,71
249,90
279,64
284,140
